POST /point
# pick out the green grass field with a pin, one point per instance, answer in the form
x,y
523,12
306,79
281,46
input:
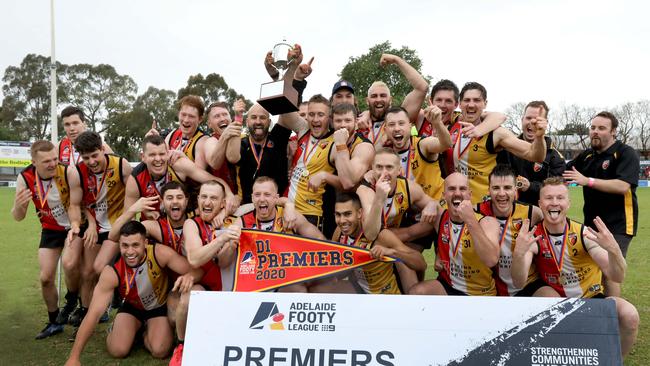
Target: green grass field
x,y
22,312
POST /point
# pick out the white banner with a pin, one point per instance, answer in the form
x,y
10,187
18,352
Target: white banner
x,y
254,329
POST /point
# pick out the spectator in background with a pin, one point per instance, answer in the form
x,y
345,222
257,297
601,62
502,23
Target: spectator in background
x,y
530,175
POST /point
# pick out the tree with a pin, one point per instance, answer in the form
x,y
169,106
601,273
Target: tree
x,y
514,114
125,130
211,88
573,120
363,70
160,104
627,115
643,124
26,105
100,91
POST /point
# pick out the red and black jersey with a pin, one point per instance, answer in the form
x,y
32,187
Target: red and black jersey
x,y
212,272
188,146
170,235
148,187
51,197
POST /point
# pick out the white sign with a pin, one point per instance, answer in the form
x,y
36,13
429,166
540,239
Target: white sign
x,y
254,329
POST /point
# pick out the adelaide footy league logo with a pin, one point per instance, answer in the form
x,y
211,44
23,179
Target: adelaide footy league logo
x,y
573,238
517,223
268,315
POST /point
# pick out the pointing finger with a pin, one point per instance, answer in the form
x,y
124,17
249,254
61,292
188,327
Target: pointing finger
x,y
310,61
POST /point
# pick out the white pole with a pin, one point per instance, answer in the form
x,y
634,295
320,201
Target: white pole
x,y
53,111
54,124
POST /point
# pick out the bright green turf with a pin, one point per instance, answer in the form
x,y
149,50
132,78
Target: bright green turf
x,y
22,312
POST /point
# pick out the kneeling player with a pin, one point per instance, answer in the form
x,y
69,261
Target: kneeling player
x,y
142,283
572,258
378,277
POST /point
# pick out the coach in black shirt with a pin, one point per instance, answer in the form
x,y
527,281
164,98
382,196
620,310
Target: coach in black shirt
x,y
262,153
530,175
609,174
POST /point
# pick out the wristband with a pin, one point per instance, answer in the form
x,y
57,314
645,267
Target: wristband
x,y
341,148
591,182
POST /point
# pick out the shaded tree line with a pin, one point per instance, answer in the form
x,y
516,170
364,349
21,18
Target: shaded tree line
x,y
109,99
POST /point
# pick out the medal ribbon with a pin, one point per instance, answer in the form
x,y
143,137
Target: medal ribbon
x,y
559,263
345,239
409,159
375,137
101,182
505,228
455,246
172,234
386,214
258,158
457,149
41,192
129,281
307,152
207,232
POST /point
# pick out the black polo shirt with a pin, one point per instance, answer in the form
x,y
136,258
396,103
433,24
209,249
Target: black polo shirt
x,y
619,212
552,166
274,163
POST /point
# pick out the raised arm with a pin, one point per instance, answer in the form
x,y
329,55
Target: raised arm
x,y
532,152
603,248
413,100
484,234
373,205
144,203
523,254
432,145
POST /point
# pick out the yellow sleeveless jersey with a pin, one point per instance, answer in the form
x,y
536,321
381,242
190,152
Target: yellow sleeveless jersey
x,y
374,278
474,158
312,156
462,267
104,193
564,263
507,240
188,147
424,172
145,287
396,205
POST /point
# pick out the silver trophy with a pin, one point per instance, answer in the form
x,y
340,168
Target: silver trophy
x,y
279,97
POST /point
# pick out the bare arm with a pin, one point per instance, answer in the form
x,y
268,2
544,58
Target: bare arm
x,y
294,122
76,194
233,146
21,200
132,193
199,157
415,98
144,203
351,168
102,296
432,145
615,186
604,250
523,254
491,121
412,258
532,152
482,234
305,228
373,204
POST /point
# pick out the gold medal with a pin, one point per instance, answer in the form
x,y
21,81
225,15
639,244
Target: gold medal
x,y
305,173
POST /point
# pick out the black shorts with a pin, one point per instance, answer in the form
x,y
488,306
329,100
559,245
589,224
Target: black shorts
x,y
450,290
530,288
142,315
425,242
316,221
623,241
101,237
52,239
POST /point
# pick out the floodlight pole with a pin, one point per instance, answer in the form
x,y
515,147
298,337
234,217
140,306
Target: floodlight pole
x,y
53,112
